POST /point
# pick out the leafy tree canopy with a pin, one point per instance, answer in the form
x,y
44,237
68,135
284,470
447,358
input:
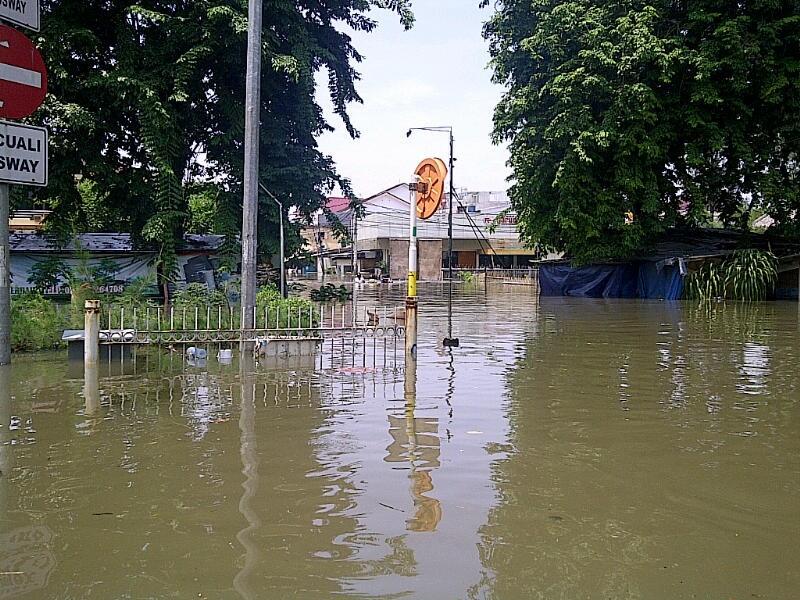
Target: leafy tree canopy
x,y
146,103
670,110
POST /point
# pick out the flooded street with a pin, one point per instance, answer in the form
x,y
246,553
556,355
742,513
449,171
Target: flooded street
x,y
568,449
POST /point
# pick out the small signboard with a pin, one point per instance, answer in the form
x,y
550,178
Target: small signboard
x,y
23,154
21,12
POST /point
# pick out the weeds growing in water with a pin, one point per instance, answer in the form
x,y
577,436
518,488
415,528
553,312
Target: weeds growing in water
x,y
467,276
747,275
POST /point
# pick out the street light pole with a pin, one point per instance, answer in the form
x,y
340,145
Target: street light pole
x,y
283,249
449,341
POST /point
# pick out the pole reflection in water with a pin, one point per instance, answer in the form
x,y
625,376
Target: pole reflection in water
x,y
249,454
5,442
421,448
26,559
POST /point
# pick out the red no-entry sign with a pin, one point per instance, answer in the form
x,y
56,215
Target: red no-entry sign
x,y
23,76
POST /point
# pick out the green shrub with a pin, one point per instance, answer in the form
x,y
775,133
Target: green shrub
x,y
467,276
750,275
36,323
747,275
331,293
198,294
275,311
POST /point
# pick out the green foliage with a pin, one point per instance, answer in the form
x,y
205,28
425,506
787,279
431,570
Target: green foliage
x,y
267,294
747,275
275,311
707,283
467,276
331,293
203,211
672,111
138,293
36,323
750,275
146,103
198,294
46,273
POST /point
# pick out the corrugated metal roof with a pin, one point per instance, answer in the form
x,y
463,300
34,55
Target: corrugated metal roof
x,y
102,243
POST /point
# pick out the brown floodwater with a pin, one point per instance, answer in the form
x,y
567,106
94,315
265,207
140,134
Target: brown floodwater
x,y
568,449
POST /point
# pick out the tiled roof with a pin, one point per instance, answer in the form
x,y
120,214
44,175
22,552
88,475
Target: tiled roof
x,y
101,243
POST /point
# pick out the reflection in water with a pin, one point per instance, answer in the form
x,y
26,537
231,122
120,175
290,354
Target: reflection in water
x,y
26,558
415,441
242,583
582,449
631,503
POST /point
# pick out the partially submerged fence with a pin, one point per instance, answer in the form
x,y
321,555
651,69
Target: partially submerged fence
x,y
223,325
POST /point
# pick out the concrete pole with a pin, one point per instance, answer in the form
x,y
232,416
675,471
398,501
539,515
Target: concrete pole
x,y
252,123
283,256
91,388
91,334
411,299
5,279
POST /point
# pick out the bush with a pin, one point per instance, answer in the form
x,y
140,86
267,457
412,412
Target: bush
x,y
36,323
747,275
198,294
275,311
330,293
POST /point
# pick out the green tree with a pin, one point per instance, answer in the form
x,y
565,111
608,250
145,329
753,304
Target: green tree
x,y
147,101
669,110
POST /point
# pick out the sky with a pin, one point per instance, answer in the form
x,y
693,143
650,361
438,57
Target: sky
x,y
435,74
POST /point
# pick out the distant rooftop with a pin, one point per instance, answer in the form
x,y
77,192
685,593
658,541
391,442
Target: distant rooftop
x,y
102,243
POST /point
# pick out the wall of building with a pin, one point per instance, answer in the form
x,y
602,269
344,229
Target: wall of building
x,y
398,259
430,260
429,255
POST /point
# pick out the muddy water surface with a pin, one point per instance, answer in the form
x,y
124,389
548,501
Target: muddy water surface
x,y
567,449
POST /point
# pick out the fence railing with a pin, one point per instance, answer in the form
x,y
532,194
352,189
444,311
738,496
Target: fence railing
x,y
518,273
218,324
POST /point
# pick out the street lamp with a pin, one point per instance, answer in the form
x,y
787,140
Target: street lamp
x,y
448,129
283,264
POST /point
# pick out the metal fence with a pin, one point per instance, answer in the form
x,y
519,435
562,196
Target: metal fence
x,y
518,273
196,325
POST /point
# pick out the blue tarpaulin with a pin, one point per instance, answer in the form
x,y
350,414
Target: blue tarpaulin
x,y
655,280
591,281
660,281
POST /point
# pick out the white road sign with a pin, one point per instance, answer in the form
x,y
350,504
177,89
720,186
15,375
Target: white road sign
x,y
23,154
21,12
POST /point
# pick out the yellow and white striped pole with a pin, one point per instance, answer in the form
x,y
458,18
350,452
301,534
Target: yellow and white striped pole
x,y
411,299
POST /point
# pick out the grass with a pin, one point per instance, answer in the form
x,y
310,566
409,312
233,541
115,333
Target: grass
x,y
37,323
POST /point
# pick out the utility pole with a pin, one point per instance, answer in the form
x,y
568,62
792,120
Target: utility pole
x,y
450,223
356,270
5,279
449,341
354,217
252,123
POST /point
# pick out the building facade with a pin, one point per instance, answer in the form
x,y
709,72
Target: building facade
x,y
485,234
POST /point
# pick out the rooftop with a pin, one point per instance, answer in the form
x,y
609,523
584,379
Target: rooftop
x,y
101,243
